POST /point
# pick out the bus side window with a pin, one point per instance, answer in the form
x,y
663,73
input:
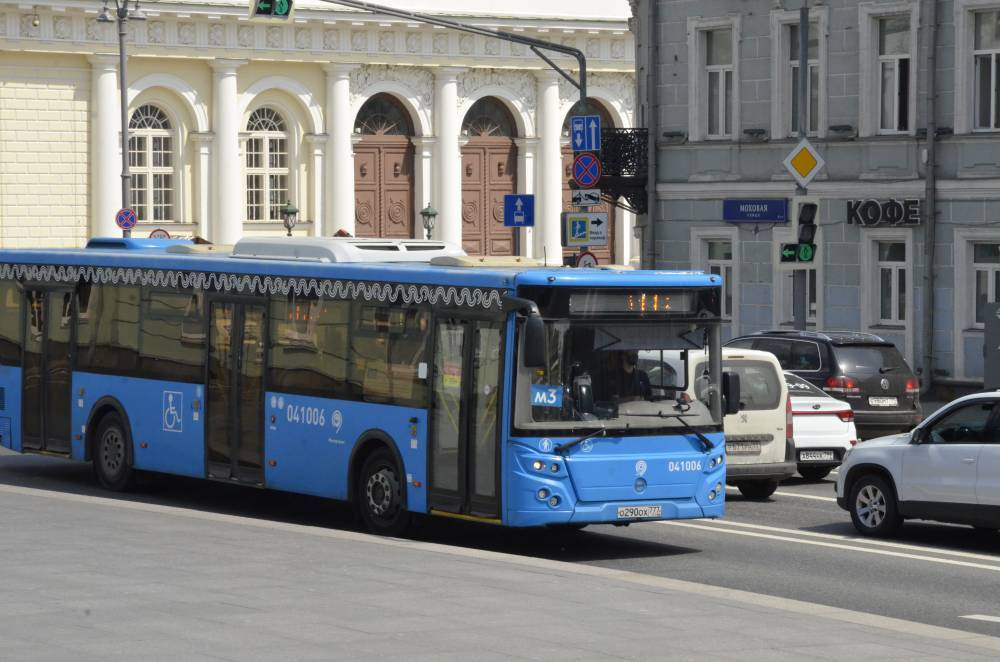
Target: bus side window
x,y
308,341
10,323
166,353
108,329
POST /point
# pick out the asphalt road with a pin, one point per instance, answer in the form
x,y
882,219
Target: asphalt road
x,y
798,545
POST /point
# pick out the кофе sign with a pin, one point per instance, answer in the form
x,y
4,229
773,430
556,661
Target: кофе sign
x,y
872,213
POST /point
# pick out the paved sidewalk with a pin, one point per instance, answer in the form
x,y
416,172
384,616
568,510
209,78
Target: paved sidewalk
x,y
93,578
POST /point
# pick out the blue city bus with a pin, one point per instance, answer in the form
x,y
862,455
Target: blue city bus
x,y
401,376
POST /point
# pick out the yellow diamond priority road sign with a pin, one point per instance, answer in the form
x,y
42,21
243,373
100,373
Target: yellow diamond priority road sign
x,y
804,163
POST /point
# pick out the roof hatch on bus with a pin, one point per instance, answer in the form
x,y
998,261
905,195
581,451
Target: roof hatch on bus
x,y
335,249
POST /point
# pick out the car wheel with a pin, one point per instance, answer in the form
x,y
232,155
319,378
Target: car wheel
x,y
873,507
814,473
379,495
112,464
757,490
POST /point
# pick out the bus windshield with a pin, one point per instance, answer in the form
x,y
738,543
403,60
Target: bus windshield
x,y
626,376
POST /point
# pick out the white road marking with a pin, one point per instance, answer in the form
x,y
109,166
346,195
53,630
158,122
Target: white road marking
x,y
814,497
981,617
833,545
857,540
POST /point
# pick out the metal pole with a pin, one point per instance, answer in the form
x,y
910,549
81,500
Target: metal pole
x,y
800,282
930,203
123,88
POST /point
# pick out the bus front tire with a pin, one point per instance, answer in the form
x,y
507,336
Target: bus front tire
x,y
379,495
757,490
112,463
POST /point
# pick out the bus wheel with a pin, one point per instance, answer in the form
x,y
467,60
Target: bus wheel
x,y
380,495
111,461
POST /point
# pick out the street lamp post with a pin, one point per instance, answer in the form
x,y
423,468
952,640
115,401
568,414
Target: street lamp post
x,y
122,15
429,215
289,217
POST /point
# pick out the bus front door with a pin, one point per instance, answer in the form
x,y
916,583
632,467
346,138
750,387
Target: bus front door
x,y
47,376
234,424
465,417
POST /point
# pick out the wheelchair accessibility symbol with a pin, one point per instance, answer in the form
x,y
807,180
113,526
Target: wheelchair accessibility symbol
x,y
173,405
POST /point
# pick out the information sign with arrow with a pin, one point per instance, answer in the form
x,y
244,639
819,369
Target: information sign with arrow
x,y
519,211
585,229
585,133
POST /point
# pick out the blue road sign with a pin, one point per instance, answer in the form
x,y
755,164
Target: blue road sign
x,y
586,170
755,211
586,133
519,211
125,219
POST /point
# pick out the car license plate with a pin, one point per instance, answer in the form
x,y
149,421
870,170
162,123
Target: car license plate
x,y
883,402
743,447
806,456
636,512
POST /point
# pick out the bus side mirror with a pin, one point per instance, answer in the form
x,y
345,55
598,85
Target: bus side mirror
x,y
534,342
730,393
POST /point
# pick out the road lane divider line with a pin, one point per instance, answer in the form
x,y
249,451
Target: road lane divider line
x,y
834,545
797,495
982,617
738,596
857,539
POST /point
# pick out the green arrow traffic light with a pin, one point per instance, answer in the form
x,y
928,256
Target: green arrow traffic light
x,y
271,8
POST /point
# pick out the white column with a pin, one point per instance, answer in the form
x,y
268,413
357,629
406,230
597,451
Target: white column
x,y
339,210
227,206
527,149
317,148
625,243
548,238
105,146
202,193
448,174
423,180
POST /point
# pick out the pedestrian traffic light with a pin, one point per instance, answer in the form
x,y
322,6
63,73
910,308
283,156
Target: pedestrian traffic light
x,y
277,9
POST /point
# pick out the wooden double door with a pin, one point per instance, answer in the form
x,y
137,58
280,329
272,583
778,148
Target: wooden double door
x,y
383,187
489,172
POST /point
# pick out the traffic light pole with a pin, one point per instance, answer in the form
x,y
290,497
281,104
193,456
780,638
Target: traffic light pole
x,y
800,281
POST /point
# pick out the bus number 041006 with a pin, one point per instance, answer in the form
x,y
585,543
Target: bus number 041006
x,y
307,415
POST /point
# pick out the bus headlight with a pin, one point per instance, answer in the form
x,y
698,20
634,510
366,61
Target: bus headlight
x,y
554,501
712,495
543,494
538,465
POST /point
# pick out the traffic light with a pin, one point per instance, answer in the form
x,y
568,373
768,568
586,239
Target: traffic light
x,y
803,229
277,9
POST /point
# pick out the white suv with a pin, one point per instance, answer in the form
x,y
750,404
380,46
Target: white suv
x,y
947,469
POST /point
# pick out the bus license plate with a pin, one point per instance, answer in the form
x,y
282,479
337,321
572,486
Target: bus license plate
x,y
743,447
636,512
883,402
806,456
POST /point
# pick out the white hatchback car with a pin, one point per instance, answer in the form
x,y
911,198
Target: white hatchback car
x,y
947,469
823,428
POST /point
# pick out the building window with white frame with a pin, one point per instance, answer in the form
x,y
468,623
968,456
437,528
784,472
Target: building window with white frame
x,y
986,272
894,73
891,265
151,164
267,165
812,87
719,254
987,78
719,76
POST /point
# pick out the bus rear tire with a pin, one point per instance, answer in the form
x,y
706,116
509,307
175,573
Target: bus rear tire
x,y
379,495
111,457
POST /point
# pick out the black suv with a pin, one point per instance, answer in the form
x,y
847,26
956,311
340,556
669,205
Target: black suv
x,y
860,368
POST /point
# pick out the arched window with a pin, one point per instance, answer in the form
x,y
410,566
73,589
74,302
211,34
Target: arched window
x,y
267,165
383,116
151,164
488,118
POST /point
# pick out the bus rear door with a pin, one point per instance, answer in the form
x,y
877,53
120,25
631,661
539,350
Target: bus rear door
x,y
47,377
465,416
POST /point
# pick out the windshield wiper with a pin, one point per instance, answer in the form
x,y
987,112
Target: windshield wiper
x,y
705,441
570,444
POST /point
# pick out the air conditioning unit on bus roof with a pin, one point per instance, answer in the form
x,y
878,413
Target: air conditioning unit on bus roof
x,y
343,250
